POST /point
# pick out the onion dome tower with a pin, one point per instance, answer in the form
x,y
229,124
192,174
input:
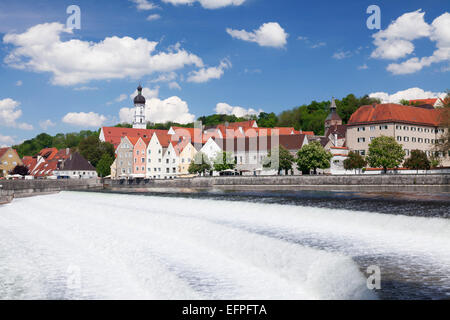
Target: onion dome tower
x,y
139,121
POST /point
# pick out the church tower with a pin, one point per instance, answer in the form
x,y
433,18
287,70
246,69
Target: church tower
x,y
333,118
139,121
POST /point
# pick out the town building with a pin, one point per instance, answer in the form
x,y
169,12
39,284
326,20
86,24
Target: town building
x,y
75,166
9,159
124,159
415,128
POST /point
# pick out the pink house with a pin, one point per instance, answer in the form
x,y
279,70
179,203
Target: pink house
x,y
139,156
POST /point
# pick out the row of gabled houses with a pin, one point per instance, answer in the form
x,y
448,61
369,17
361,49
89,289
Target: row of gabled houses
x,y
167,154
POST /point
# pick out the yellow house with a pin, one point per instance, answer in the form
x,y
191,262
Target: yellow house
x,y
186,157
9,159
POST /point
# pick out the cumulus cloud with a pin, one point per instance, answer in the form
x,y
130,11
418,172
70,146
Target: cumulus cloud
x,y
19,83
6,141
208,4
363,67
408,94
396,41
10,113
45,124
85,88
159,111
40,49
83,119
268,35
225,108
144,5
206,74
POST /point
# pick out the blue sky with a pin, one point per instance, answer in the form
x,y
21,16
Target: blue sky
x,y
303,51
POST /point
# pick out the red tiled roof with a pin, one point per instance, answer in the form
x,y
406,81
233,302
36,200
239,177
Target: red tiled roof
x,y
383,113
243,124
424,101
48,153
113,135
3,151
29,162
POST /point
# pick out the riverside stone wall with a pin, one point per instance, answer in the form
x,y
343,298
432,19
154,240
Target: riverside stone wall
x,y
381,180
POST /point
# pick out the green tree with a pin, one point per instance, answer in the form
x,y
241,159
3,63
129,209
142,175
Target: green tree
x,y
93,149
385,152
417,161
405,102
267,120
312,157
354,161
104,165
279,159
435,161
200,164
224,161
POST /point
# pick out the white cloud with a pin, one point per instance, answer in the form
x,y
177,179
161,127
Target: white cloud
x,y
225,108
40,49
205,74
408,94
19,83
318,45
6,141
174,85
165,77
153,17
46,124
339,55
121,98
268,35
396,41
85,88
144,5
159,111
82,119
208,4
10,113
363,67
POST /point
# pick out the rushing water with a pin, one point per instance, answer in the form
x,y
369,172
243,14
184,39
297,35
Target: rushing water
x,y
265,245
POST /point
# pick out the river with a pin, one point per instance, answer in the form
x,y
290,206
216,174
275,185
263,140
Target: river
x,y
225,245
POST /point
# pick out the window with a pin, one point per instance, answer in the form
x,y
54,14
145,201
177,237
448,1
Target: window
x,y
420,129
371,138
10,155
143,169
159,151
173,161
135,160
427,140
372,128
167,161
149,160
137,152
427,130
398,127
399,138
420,140
413,128
361,139
137,168
182,160
407,152
405,128
362,152
159,160
174,170
143,160
406,139
167,170
413,139
383,127
361,129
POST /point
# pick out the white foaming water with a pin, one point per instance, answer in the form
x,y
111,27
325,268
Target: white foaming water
x,y
141,247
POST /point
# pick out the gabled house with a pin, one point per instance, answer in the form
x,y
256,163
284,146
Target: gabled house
x,y
75,166
124,159
9,159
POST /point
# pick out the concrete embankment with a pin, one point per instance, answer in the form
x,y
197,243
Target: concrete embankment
x,y
10,189
289,181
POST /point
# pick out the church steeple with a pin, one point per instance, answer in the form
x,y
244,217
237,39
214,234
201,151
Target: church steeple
x,y
333,118
139,121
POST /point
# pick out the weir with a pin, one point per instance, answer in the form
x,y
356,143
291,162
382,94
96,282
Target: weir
x,y
10,189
